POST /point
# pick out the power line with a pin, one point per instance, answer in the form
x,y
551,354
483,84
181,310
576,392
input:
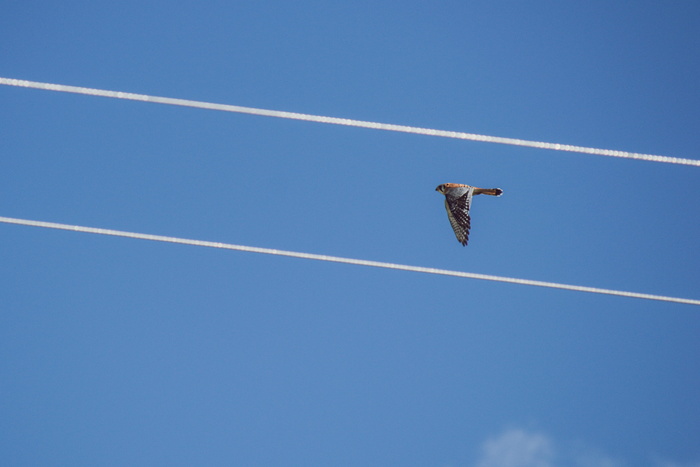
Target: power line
x,y
338,259
347,122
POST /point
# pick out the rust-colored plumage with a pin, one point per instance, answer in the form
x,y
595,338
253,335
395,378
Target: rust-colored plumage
x,y
458,199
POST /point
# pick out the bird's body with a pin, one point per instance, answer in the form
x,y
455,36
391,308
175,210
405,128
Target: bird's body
x,y
458,199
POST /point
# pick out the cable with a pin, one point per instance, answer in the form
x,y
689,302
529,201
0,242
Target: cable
x,y
338,259
347,122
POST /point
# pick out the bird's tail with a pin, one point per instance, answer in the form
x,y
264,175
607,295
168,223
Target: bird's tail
x,y
488,191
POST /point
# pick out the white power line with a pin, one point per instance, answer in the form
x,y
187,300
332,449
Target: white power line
x,y
347,122
338,259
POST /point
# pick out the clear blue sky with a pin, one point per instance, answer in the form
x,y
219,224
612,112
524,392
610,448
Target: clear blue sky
x,y
126,352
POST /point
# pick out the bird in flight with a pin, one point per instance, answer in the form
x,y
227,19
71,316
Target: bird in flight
x,y
458,198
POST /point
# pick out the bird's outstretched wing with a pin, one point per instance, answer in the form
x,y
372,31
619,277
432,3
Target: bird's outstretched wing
x,y
457,206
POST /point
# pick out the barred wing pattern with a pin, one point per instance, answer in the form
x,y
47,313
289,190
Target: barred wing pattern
x,y
457,203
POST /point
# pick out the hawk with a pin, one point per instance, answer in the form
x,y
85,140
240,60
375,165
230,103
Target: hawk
x,y
458,198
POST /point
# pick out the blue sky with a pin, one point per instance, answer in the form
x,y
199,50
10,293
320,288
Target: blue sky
x,y
126,352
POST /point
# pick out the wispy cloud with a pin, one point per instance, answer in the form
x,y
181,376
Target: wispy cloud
x,y
665,463
517,448
522,448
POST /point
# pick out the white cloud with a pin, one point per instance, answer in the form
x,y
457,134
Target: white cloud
x,y
517,448
666,463
521,448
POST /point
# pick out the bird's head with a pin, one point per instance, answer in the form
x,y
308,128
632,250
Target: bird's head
x,y
441,188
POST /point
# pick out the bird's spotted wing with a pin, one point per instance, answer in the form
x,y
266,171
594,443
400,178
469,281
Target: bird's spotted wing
x,y
457,207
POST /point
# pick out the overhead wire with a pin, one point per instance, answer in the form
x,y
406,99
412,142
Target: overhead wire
x,y
355,123
347,122
339,259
